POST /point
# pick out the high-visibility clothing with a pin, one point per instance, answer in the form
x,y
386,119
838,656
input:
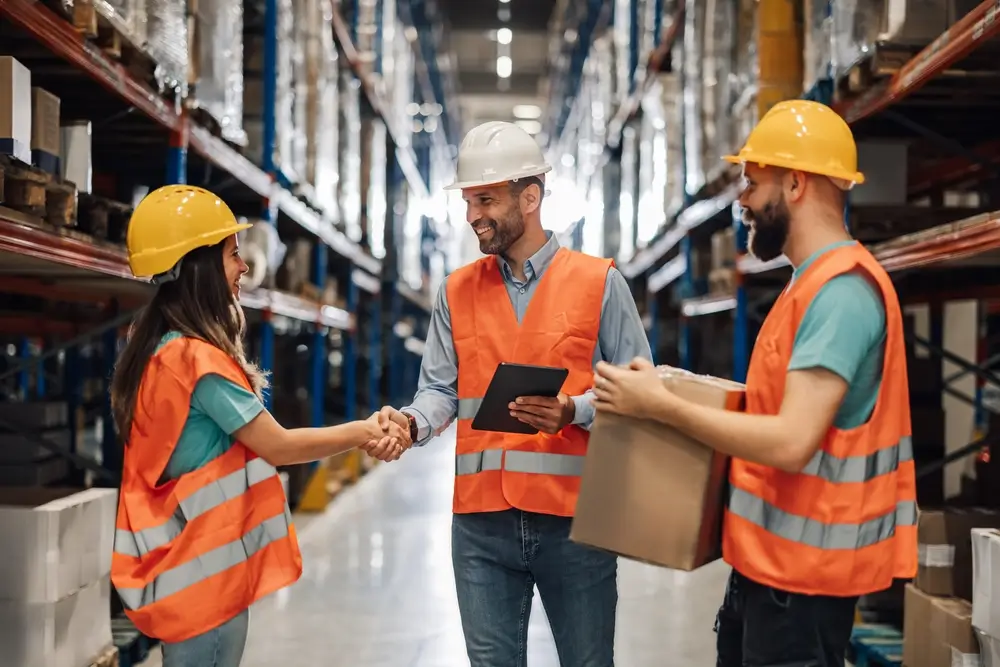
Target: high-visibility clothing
x,y
192,553
535,473
846,524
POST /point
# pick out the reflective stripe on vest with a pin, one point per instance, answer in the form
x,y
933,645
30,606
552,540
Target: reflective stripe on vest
x,y
815,533
205,499
207,565
540,463
468,408
859,469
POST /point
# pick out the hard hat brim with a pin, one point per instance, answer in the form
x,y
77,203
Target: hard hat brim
x,y
857,178
462,185
147,267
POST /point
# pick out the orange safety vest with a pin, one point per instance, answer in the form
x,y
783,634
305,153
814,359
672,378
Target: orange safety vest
x,y
535,473
846,524
192,553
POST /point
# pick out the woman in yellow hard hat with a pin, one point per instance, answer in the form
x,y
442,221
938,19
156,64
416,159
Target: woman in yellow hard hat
x,y
203,527
822,499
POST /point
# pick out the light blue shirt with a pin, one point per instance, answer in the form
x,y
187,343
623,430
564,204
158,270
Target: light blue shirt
x,y
219,408
843,331
621,338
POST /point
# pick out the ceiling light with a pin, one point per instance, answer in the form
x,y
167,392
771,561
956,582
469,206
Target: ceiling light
x,y
504,35
504,67
529,126
504,2
526,111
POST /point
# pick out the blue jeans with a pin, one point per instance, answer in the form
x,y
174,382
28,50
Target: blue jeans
x,y
499,558
221,647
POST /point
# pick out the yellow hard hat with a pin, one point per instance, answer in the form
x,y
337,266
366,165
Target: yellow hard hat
x,y
172,221
805,136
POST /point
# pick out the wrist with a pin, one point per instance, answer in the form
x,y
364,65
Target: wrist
x,y
411,425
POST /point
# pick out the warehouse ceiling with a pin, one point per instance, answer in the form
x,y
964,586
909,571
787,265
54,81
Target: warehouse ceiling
x,y
478,29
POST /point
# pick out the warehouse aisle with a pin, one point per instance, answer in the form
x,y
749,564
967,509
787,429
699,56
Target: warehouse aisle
x,y
378,587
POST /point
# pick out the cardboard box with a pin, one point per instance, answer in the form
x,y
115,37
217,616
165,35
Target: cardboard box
x,y
56,541
953,641
916,619
70,632
651,493
45,130
15,109
945,544
75,155
985,572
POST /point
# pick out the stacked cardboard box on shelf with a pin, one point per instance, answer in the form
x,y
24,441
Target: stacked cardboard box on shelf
x,y
938,604
985,596
55,607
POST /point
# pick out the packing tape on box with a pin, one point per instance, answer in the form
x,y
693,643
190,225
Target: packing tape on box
x,y
959,659
936,555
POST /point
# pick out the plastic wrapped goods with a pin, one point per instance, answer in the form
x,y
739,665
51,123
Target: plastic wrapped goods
x,y
693,95
167,42
217,64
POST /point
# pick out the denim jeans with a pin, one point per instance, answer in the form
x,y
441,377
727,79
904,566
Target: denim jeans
x,y
761,626
221,647
500,557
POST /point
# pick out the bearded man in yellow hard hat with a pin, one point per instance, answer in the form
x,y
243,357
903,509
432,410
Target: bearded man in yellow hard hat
x,y
531,302
822,503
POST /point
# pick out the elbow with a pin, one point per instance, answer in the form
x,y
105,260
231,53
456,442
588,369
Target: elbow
x,y
794,457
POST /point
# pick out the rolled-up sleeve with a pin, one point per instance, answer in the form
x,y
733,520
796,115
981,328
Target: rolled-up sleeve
x,y
621,338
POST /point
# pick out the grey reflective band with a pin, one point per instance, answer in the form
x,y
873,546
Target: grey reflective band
x,y
205,499
858,469
206,565
541,463
468,407
815,533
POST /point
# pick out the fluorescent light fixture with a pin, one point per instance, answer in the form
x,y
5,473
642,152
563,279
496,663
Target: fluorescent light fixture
x,y
504,35
504,2
529,126
526,111
504,67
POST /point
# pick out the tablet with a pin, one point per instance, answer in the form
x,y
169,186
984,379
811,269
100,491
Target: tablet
x,y
510,381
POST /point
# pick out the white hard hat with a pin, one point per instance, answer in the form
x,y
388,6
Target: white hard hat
x,y
497,152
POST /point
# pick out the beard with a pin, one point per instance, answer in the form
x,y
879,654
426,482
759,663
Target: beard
x,y
504,232
768,230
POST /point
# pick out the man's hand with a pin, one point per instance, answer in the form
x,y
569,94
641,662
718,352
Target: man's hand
x,y
635,391
547,414
396,427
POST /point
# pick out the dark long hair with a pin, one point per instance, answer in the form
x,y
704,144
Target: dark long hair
x,y
198,304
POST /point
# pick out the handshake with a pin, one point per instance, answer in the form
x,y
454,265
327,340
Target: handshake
x,y
389,434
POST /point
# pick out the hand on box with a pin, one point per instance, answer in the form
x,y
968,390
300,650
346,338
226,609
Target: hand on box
x,y
635,390
390,435
547,414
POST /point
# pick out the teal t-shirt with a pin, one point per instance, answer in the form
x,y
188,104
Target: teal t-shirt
x,y
219,408
843,331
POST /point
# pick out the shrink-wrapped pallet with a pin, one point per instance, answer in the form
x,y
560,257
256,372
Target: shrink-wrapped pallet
x,y
669,88
622,38
719,54
167,43
349,143
127,17
817,41
694,94
217,64
323,81
859,26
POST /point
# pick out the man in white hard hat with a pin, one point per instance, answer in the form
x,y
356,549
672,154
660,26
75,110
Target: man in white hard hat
x,y
531,302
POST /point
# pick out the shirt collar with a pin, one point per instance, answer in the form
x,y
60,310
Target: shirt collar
x,y
535,265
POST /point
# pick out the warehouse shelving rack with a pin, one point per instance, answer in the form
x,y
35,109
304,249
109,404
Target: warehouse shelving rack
x,y
133,122
945,262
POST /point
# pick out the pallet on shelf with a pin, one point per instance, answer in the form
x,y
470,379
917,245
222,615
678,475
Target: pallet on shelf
x,y
37,193
882,62
103,218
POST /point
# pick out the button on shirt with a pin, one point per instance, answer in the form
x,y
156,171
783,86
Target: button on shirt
x,y
621,338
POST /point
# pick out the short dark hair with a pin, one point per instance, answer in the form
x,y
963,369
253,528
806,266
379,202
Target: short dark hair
x,y
522,184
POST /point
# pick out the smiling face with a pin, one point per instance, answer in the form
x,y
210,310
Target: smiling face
x,y
495,215
233,264
765,211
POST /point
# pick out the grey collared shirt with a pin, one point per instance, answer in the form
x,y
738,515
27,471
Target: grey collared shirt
x,y
621,338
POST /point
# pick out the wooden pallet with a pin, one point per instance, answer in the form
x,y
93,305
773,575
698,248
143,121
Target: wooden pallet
x,y
108,658
103,218
113,43
722,281
37,193
876,645
884,61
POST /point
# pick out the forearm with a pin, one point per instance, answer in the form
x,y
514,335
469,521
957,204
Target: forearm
x,y
433,411
763,439
280,446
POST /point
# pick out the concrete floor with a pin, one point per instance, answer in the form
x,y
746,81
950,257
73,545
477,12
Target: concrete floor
x,y
378,588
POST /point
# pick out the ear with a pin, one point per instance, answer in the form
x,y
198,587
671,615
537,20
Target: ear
x,y
795,185
531,198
